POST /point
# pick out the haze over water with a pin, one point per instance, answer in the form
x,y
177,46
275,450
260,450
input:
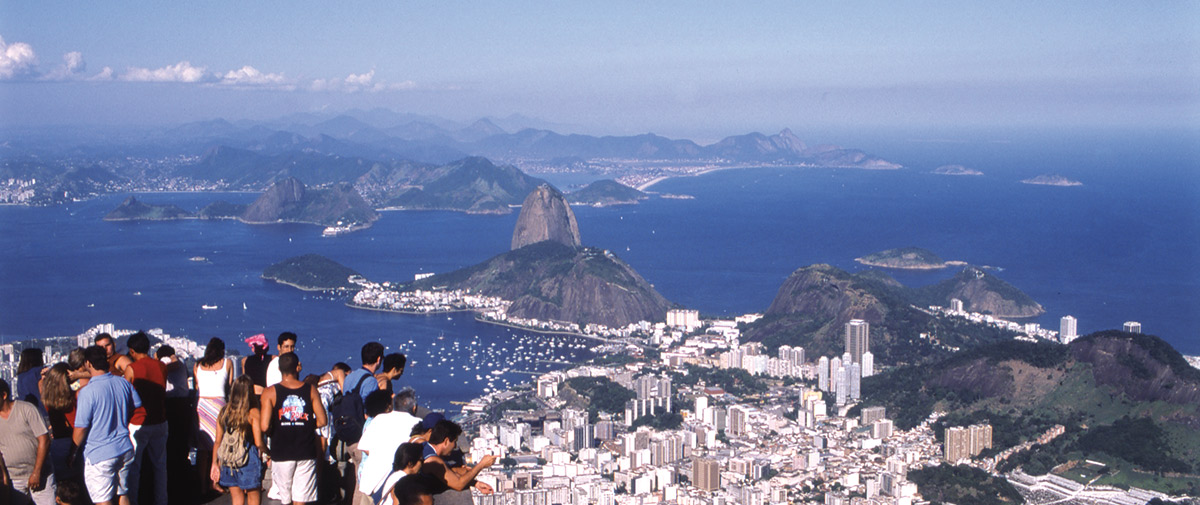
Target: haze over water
x,y
1124,246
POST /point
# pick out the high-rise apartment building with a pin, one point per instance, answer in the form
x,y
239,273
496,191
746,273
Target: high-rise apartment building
x,y
823,374
1067,329
1132,327
868,364
706,474
857,339
966,442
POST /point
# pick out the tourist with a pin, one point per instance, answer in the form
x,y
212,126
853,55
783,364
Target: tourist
x,y
237,464
382,437
415,489
59,401
421,432
377,403
71,492
213,377
79,374
29,373
102,416
456,478
116,362
292,412
405,461
149,423
255,366
329,386
180,424
393,368
25,443
349,415
285,343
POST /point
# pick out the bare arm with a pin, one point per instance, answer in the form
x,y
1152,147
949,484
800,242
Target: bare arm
x,y
456,481
128,373
268,407
255,416
214,471
35,477
318,407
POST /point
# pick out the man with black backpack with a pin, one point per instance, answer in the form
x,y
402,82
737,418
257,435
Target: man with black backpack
x,y
347,411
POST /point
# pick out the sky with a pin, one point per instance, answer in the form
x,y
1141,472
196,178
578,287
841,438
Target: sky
x,y
675,68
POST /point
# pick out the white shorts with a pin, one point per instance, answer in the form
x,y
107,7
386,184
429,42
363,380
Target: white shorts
x,y
107,478
295,480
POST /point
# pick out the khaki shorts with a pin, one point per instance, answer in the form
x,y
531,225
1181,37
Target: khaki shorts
x,y
107,478
295,480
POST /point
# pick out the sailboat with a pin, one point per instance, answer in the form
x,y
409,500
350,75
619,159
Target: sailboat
x,y
243,305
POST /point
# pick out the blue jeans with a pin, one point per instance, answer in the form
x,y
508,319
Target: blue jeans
x,y
149,448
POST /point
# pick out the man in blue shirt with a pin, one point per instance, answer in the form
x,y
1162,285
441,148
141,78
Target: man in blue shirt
x,y
102,416
361,382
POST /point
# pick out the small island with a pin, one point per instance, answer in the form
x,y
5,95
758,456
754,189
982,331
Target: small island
x,y
606,192
905,258
955,170
312,272
1051,180
133,209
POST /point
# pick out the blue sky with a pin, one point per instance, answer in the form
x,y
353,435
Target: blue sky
x,y
675,68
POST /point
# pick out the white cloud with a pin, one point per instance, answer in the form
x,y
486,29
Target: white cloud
x,y
16,60
354,83
179,72
248,76
106,74
360,80
72,68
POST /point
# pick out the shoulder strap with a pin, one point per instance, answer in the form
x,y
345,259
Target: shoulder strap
x,y
358,386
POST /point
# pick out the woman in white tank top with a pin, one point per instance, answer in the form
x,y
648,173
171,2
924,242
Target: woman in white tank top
x,y
213,377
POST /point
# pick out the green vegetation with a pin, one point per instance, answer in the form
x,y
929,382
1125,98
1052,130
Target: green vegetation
x,y
734,381
662,419
1139,441
963,484
222,210
311,272
602,395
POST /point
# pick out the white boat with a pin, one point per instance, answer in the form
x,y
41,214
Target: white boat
x,y
243,305
208,307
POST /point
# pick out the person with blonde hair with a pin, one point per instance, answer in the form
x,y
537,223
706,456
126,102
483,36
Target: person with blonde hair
x,y
240,449
59,400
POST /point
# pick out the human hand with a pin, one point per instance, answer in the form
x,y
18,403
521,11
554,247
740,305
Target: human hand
x,y
214,473
483,487
487,461
35,480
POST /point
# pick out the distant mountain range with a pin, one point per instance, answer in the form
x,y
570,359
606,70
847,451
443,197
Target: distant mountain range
x,y
393,159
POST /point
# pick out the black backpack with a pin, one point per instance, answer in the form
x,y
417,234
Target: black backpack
x,y
348,414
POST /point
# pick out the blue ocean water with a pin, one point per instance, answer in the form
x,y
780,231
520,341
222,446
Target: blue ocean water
x,y
1124,246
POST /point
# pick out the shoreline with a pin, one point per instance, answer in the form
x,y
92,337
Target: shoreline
x,y
301,288
407,312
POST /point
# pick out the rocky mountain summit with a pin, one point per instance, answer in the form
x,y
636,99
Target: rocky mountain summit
x,y
288,200
545,215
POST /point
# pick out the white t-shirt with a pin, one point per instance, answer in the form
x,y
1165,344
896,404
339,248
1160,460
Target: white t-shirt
x,y
381,439
274,376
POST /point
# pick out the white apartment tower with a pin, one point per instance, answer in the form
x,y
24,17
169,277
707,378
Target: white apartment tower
x,y
1067,329
868,364
1132,327
857,339
823,374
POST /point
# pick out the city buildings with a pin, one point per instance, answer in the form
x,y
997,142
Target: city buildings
x,y
1067,329
1132,327
857,339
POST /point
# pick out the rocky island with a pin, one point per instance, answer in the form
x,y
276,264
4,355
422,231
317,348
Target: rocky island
x,y
311,272
1051,180
133,209
905,258
955,170
606,192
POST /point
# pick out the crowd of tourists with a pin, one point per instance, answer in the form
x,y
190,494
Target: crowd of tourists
x,y
105,427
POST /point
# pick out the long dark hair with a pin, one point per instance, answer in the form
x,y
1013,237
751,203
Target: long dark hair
x,y
31,358
213,352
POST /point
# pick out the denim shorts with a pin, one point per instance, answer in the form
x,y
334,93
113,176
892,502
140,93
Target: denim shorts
x,y
247,477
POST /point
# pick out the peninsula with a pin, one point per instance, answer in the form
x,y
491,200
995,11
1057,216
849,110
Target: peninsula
x,y
312,272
